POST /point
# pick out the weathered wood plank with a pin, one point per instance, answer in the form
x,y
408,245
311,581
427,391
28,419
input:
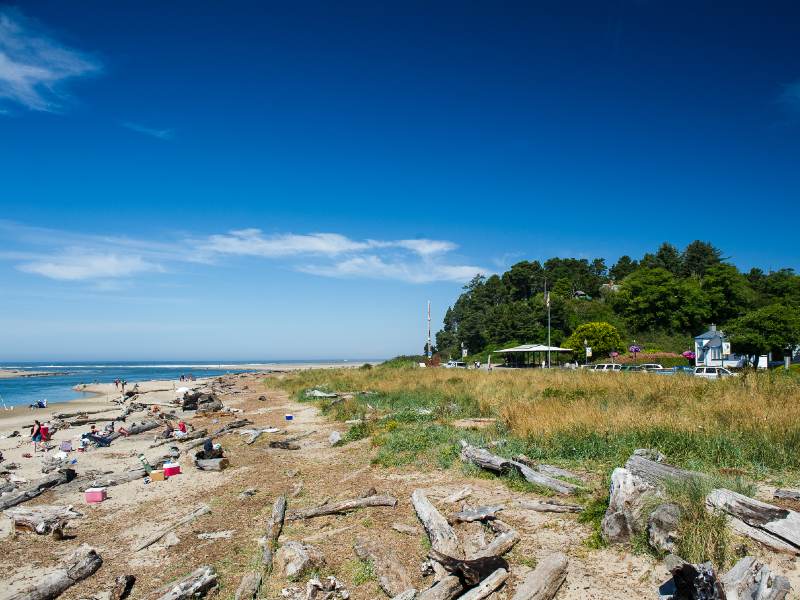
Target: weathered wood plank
x,y
544,581
443,538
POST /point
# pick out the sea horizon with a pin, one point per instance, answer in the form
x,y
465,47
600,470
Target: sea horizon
x,y
22,391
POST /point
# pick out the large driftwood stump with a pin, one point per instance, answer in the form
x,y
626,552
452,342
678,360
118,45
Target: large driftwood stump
x,y
211,464
343,507
752,580
627,502
392,576
195,585
77,566
778,527
198,512
543,582
33,489
42,519
443,538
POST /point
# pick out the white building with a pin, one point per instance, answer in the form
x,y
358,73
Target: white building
x,y
712,349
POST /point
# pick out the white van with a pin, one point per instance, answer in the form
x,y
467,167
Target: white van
x,y
608,367
712,372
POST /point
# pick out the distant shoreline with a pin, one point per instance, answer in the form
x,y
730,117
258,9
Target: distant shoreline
x,y
21,373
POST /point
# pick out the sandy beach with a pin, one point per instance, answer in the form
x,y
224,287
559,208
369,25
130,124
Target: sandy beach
x,y
14,373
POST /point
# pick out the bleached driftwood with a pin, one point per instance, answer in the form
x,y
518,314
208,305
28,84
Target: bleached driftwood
x,y
487,587
42,519
135,429
211,464
443,538
409,594
471,571
343,507
543,582
549,506
274,528
248,586
658,473
500,545
459,495
194,435
116,478
231,426
34,488
122,587
482,513
780,523
786,494
195,585
445,589
392,576
547,469
198,512
76,567
497,464
750,579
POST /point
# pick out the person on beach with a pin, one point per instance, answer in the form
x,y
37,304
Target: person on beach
x,y
36,434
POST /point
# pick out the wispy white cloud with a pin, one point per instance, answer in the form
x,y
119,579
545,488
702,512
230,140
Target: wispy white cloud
x,y
35,68
375,267
161,134
104,260
79,266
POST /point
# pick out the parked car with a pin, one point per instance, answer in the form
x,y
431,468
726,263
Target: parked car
x,y
713,372
630,368
455,364
650,366
607,367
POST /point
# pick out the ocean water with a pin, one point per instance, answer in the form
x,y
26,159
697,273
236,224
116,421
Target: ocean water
x,y
58,388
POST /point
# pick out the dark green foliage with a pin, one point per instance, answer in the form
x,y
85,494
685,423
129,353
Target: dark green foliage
x,y
601,337
768,329
667,295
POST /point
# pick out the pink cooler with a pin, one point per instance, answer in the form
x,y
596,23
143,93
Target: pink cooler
x,y
97,494
171,469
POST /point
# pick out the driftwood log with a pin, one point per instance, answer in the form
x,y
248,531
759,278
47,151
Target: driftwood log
x,y
488,586
198,512
76,567
42,519
471,571
248,586
195,585
34,488
752,580
343,507
231,426
500,545
547,469
116,478
482,513
211,464
549,506
122,587
497,464
543,582
657,473
392,576
443,538
199,433
274,528
445,589
776,527
409,594
135,429
786,494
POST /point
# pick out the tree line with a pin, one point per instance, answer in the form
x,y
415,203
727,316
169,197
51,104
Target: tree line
x,y
663,300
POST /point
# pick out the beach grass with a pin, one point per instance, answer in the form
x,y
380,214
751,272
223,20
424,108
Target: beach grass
x,y
748,424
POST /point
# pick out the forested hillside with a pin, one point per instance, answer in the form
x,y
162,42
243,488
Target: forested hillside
x,y
662,300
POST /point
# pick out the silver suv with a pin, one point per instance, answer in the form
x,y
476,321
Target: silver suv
x,y
713,372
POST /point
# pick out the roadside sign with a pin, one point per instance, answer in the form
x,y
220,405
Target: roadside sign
x,y
588,352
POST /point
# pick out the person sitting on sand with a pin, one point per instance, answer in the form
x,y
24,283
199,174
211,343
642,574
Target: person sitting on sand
x,y
211,450
94,436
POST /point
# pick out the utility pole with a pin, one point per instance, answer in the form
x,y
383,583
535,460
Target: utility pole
x,y
547,302
430,352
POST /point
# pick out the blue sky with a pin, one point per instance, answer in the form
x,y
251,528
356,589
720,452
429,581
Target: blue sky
x,y
294,180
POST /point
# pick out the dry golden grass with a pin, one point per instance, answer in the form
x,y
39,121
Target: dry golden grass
x,y
753,419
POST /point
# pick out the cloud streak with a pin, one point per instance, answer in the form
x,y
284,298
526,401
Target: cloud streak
x,y
34,68
87,257
161,134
